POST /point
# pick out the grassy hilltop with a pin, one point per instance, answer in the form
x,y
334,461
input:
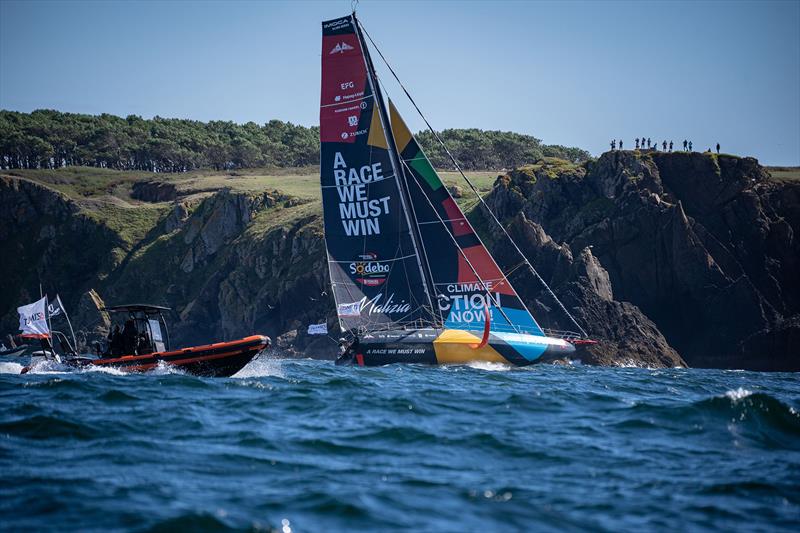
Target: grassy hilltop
x,y
109,196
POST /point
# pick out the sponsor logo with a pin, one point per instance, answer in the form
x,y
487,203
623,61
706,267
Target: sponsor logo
x,y
340,48
345,135
369,271
347,85
377,305
349,309
465,302
337,98
352,120
363,105
336,24
35,317
346,109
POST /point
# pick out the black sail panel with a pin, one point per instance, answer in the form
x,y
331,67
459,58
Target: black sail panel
x,y
374,267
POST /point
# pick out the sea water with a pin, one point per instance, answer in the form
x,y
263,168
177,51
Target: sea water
x,y
302,445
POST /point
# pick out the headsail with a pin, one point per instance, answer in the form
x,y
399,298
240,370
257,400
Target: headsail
x,y
374,266
461,295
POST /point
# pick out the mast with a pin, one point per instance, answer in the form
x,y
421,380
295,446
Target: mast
x,y
416,239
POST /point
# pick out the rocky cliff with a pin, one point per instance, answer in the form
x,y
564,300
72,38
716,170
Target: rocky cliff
x,y
668,259
703,244
228,263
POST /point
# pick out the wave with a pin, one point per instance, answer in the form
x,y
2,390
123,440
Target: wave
x,y
756,417
261,366
95,369
198,522
10,368
46,427
489,366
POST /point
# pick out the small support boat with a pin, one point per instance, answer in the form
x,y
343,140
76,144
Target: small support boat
x,y
143,344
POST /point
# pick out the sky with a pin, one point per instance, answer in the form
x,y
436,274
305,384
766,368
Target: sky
x,y
571,73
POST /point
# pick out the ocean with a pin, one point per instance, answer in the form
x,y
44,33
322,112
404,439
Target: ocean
x,y
303,445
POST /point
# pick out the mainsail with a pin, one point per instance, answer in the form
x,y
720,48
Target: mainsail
x,y
455,252
375,266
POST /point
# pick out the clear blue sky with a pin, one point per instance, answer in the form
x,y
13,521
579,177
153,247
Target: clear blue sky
x,y
569,73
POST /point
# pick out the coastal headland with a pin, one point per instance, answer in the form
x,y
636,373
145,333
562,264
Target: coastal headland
x,y
670,259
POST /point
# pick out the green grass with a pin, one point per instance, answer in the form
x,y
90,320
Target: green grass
x,y
104,195
88,182
82,183
132,224
790,174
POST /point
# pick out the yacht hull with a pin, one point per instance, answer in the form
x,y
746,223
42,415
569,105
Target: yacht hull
x,y
452,346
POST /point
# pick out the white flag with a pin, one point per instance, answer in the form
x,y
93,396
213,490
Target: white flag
x,y
318,329
351,309
32,318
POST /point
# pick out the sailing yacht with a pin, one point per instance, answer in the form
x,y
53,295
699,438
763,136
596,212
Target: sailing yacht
x,y
412,281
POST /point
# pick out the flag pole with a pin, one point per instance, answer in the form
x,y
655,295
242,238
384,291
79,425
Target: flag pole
x,y
74,342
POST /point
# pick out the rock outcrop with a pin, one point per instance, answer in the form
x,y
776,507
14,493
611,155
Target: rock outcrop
x,y
668,259
703,244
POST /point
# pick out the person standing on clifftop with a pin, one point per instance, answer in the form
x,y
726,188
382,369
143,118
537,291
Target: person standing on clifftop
x,y
684,145
613,144
620,144
637,143
648,142
717,148
690,146
670,146
664,146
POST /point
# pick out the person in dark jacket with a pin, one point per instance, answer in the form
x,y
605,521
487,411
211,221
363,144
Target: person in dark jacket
x,y
117,342
129,338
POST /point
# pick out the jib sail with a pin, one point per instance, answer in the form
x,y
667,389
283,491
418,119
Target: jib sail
x,y
460,295
375,269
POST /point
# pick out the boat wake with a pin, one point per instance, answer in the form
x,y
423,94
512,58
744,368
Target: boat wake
x,y
10,368
91,369
260,367
489,366
165,369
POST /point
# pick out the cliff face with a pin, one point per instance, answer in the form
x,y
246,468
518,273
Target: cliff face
x,y
229,264
704,245
668,259
40,232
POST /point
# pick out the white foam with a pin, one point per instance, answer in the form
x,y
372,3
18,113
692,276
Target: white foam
x,y
103,370
10,368
738,394
46,367
261,366
163,369
489,366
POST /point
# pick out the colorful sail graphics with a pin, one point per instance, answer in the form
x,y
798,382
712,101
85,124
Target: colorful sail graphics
x,y
375,271
461,296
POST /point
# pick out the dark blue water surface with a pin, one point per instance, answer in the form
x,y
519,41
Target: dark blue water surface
x,y
307,446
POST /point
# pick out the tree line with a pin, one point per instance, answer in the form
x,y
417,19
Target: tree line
x,y
52,139
476,149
